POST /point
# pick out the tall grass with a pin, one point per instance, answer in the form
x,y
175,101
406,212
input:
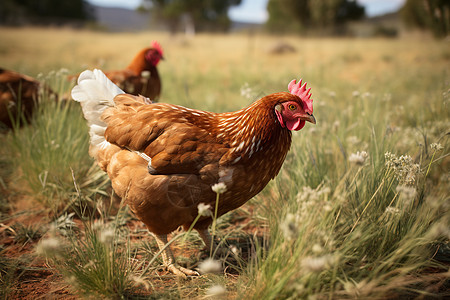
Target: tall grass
x,y
360,207
346,225
95,261
52,151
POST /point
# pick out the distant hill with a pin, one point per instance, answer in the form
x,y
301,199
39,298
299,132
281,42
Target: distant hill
x,y
121,19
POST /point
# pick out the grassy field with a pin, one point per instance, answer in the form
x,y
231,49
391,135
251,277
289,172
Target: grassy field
x,y
360,208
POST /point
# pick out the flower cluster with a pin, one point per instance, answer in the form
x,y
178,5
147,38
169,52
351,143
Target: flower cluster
x,y
246,91
436,147
358,158
219,188
404,167
317,264
204,210
309,198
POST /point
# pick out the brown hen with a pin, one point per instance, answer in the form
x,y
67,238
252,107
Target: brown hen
x,y
163,159
141,77
18,97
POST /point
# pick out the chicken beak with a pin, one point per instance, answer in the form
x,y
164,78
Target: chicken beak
x,y
310,118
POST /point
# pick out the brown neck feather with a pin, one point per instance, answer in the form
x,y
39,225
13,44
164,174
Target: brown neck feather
x,y
255,128
139,63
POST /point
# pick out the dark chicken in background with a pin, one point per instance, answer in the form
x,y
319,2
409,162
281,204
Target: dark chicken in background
x,y
18,97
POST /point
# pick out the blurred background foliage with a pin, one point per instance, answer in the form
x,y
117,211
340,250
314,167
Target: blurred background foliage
x,y
318,17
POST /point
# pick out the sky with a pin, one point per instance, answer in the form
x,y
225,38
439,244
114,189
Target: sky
x,y
255,10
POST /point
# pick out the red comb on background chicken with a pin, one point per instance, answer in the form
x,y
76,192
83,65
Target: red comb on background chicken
x,y
163,159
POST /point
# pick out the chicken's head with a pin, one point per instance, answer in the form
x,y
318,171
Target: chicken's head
x,y
293,113
154,54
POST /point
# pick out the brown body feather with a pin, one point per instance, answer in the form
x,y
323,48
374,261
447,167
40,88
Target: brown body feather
x,y
190,151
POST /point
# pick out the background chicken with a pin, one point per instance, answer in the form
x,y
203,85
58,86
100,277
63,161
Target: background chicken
x,y
162,159
141,77
18,97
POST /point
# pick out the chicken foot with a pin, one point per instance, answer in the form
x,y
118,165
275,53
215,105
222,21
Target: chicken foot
x,y
169,260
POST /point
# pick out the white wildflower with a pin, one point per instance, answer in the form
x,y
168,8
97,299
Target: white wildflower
x,y
332,94
204,209
366,95
436,146
404,167
216,291
336,125
358,158
49,247
353,140
107,236
356,94
219,188
316,248
309,199
439,230
234,250
317,264
407,193
62,72
246,91
210,266
392,210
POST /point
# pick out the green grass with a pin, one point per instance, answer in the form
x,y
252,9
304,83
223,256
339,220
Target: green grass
x,y
327,227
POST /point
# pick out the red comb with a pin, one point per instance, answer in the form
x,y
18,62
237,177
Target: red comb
x,y
301,91
157,46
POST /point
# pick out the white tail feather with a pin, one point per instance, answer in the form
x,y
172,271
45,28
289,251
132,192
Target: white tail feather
x,y
95,92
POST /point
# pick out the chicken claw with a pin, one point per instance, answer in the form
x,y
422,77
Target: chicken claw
x,y
169,260
181,272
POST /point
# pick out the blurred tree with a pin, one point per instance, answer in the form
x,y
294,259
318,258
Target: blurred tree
x,y
291,15
43,11
431,15
287,15
203,15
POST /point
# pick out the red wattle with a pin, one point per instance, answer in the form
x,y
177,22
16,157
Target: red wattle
x,y
295,124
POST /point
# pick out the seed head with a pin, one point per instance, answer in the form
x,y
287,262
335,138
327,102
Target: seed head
x,y
219,188
107,236
317,264
358,158
204,210
210,266
216,291
436,146
49,247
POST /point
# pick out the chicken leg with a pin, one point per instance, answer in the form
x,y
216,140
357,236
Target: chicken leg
x,y
169,260
207,239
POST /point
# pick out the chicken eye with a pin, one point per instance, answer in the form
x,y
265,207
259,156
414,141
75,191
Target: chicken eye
x,y
292,107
